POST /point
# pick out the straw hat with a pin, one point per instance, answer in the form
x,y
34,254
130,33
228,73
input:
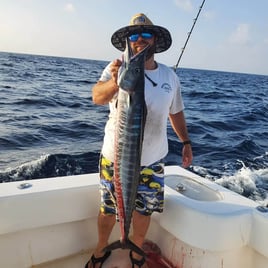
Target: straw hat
x,y
141,23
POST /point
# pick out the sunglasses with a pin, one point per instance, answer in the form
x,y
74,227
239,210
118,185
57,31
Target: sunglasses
x,y
135,37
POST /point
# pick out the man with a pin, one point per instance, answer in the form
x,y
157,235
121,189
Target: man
x,y
163,101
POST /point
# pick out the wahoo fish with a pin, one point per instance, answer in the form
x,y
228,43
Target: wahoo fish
x,y
130,122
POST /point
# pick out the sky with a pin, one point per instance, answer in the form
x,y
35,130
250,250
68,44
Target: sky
x,y
229,35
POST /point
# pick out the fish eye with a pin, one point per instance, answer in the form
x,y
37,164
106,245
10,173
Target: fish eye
x,y
137,70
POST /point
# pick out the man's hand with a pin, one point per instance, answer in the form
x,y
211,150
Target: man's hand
x,y
187,155
114,69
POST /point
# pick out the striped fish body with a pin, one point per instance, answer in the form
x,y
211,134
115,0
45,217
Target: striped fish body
x,y
131,117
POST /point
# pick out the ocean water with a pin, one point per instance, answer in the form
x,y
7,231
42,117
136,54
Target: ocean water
x,y
49,126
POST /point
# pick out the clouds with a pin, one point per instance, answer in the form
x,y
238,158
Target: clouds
x,y
209,15
184,4
69,7
241,35
224,39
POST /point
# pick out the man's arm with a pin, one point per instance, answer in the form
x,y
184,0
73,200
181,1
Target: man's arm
x,y
103,92
178,124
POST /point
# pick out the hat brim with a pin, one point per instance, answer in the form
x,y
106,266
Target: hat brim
x,y
163,41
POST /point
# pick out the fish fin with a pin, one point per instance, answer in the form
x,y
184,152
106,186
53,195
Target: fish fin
x,y
115,245
127,244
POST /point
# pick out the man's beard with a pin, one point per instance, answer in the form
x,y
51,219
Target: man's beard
x,y
150,52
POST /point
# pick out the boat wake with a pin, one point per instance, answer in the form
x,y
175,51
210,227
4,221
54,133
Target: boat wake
x,y
52,165
247,180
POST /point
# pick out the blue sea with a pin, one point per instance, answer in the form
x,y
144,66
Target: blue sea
x,y
50,127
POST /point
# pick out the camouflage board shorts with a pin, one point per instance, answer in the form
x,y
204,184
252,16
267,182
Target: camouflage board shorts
x,y
150,196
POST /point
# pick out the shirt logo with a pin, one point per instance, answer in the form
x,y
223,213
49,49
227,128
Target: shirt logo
x,y
167,88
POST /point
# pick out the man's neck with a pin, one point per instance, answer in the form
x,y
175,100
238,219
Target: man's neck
x,y
150,64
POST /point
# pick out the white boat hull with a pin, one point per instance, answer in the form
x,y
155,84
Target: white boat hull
x,y
203,225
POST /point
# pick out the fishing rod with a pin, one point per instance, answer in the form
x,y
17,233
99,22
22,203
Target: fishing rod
x,y
189,34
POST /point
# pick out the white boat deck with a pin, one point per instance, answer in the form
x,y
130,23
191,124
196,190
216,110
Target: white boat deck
x,y
118,259
74,261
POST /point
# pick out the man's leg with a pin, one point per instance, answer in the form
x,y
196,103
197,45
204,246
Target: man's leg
x,y
105,227
152,177
141,225
106,217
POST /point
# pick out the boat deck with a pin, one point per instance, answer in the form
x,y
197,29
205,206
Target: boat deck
x,y
119,259
74,261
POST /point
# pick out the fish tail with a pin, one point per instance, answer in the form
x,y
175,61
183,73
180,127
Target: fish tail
x,y
126,244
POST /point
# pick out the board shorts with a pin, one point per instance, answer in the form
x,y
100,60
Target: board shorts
x,y
150,194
